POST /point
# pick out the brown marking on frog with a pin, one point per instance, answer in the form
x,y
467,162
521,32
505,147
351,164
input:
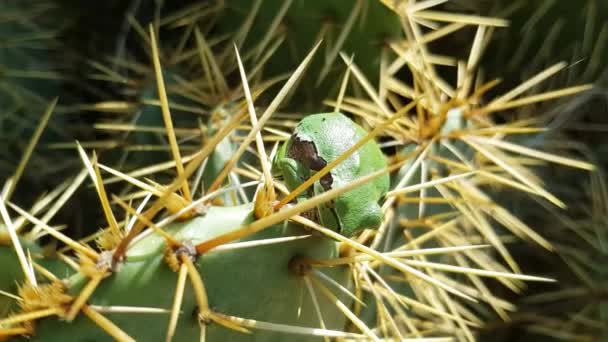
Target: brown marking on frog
x,y
305,153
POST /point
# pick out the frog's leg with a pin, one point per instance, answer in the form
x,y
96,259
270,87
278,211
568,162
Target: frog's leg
x,y
357,210
327,213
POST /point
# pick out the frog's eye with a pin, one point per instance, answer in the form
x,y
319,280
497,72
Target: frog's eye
x,y
305,153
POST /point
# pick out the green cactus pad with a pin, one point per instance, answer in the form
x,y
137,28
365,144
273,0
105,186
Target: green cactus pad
x,y
254,283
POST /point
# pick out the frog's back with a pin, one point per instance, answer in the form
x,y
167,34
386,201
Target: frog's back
x,y
334,134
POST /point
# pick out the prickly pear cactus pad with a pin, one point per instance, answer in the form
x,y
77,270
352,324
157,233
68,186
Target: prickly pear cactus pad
x,y
29,80
262,282
374,216
362,28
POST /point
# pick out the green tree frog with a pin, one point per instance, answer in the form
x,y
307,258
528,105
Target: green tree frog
x,y
319,139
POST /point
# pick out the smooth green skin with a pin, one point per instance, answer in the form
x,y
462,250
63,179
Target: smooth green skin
x,y
333,134
251,283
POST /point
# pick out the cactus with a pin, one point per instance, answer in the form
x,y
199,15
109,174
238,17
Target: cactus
x,y
571,309
27,79
238,282
289,28
182,266
577,34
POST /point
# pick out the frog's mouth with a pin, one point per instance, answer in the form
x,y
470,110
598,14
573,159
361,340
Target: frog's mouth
x,y
306,153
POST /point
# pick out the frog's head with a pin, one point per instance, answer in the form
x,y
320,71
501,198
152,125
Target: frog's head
x,y
289,167
296,161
